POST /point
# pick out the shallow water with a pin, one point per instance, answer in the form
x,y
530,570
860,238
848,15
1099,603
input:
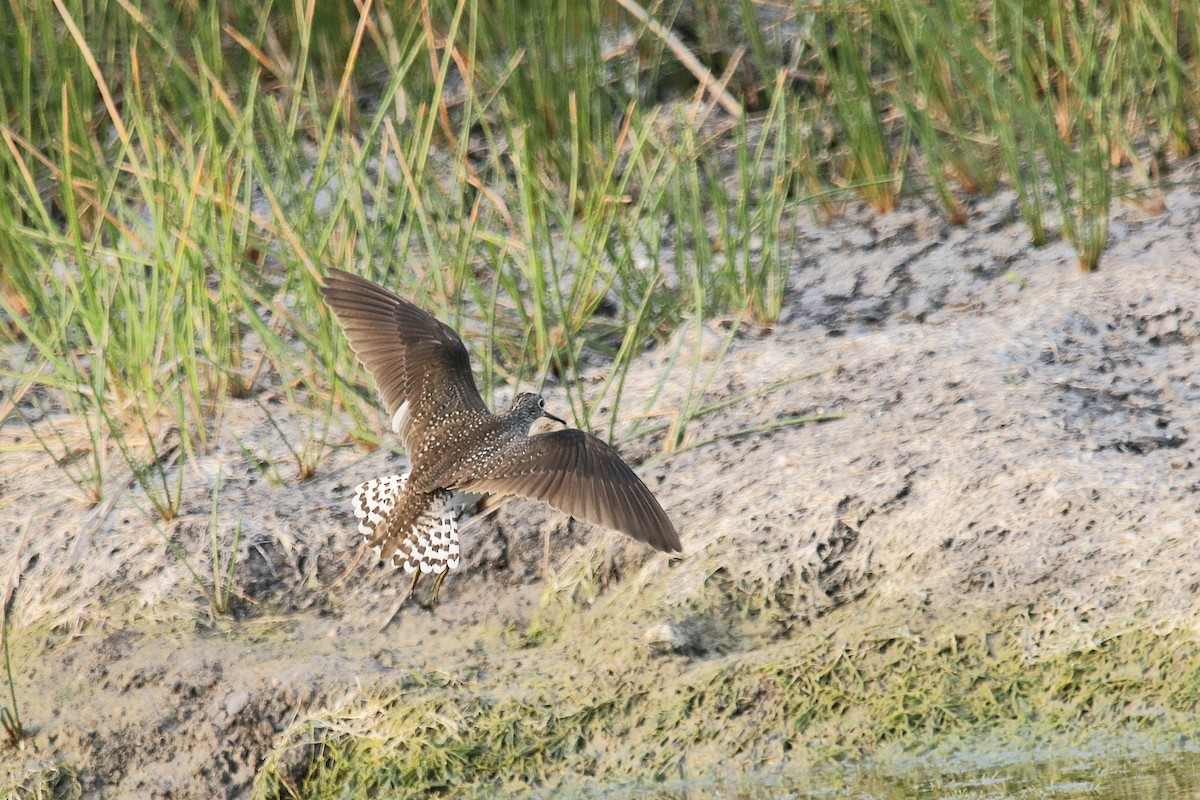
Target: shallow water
x,y
1158,775
1107,775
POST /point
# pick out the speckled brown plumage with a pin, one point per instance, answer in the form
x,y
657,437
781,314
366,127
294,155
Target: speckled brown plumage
x,y
454,442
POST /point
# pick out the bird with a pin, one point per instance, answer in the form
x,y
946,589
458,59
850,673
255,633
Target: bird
x,y
455,444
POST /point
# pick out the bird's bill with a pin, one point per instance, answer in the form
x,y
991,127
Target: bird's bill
x,y
556,419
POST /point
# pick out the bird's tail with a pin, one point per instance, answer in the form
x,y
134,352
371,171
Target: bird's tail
x,y
429,543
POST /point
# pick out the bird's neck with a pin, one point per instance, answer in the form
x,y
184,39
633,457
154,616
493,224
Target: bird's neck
x,y
514,419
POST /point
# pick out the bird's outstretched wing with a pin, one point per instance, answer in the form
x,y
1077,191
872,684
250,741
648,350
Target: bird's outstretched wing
x,y
582,476
420,365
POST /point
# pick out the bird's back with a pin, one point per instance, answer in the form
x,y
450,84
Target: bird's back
x,y
450,448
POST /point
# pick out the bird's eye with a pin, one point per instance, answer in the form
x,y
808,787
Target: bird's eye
x,y
541,403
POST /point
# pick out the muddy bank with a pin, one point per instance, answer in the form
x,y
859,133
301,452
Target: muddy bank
x,y
997,529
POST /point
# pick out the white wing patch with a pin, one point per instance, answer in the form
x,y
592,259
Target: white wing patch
x,y
400,418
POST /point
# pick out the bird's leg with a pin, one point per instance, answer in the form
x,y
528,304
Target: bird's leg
x,y
412,589
437,586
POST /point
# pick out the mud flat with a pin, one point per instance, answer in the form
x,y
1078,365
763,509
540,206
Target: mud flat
x,y
996,532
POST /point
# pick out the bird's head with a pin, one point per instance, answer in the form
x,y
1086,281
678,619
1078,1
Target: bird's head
x,y
528,407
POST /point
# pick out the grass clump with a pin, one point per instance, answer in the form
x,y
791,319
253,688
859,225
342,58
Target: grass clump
x,y
46,783
437,734
10,712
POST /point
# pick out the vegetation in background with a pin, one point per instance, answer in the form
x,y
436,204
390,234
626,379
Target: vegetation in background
x,y
175,177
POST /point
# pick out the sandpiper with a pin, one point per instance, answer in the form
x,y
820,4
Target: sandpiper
x,y
455,443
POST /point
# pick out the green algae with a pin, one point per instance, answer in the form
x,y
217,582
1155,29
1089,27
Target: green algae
x,y
625,715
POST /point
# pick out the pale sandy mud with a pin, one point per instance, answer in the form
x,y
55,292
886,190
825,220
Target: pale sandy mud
x,y
1015,441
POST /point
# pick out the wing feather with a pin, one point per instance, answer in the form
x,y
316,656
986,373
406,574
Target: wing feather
x,y
583,476
413,357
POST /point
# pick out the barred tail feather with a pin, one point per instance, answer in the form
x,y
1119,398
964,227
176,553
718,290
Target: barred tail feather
x,y
431,545
374,500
